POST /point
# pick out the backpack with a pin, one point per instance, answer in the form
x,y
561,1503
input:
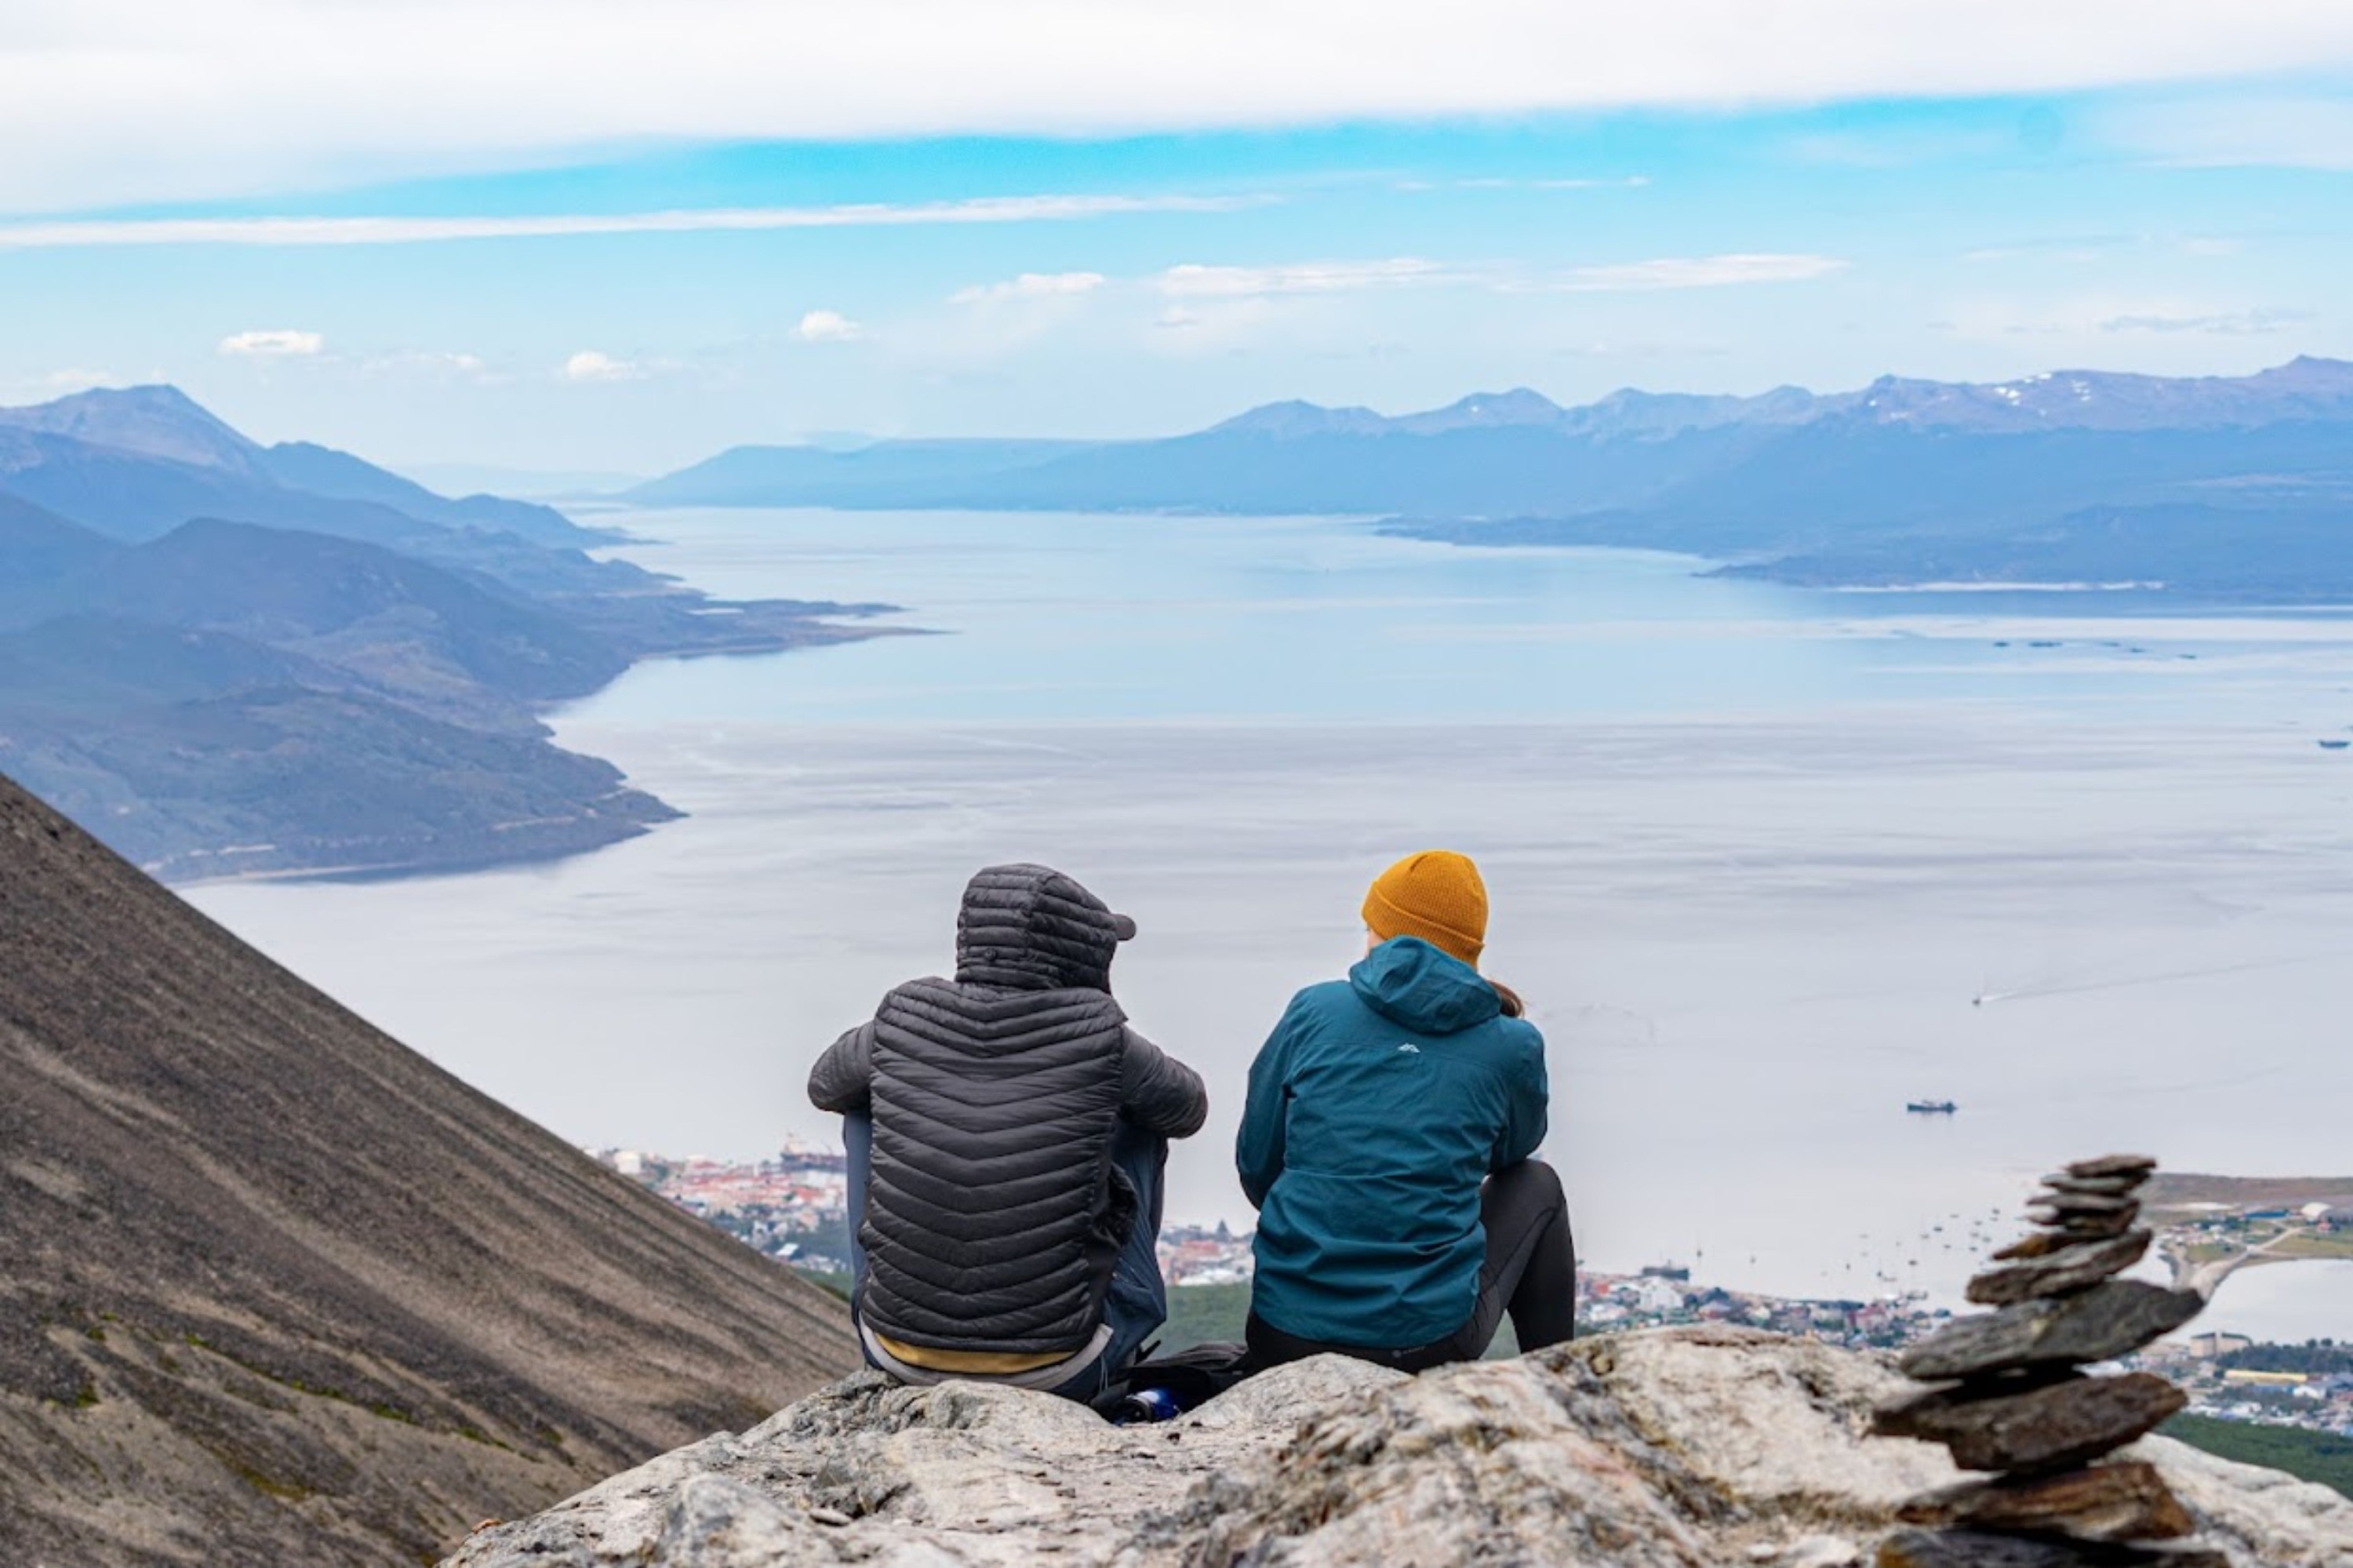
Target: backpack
x,y
1192,1376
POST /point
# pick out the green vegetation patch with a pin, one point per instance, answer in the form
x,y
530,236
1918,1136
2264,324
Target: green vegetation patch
x,y
2308,1456
2314,1358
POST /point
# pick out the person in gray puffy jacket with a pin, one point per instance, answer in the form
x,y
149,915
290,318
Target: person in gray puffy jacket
x,y
1008,1136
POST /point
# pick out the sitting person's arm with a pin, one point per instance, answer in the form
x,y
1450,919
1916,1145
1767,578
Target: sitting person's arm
x,y
1157,1092
1530,1110
843,1078
1258,1148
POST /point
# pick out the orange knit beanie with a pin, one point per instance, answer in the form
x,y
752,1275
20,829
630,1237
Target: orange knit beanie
x,y
1436,896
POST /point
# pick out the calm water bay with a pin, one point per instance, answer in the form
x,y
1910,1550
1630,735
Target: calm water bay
x,y
1769,862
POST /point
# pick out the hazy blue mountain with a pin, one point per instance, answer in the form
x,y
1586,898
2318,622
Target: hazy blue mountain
x,y
81,665
2280,552
161,423
137,461
823,476
324,470
1962,478
40,546
401,624
207,644
132,495
278,778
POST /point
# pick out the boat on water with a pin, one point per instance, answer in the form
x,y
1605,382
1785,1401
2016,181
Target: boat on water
x,y
2335,745
1930,1107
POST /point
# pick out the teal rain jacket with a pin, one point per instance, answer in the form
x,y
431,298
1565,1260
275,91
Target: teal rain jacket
x,y
1376,1109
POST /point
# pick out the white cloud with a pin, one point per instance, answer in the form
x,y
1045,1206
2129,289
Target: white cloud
x,y
2218,324
827,326
1196,280
590,366
1030,286
1700,272
77,232
277,343
106,103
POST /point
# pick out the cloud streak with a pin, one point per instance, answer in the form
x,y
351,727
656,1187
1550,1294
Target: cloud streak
x,y
286,231
1030,286
279,343
1195,281
2222,323
106,103
1700,272
1199,282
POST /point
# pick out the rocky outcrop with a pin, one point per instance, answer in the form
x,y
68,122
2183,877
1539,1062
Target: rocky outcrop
x,y
1677,1448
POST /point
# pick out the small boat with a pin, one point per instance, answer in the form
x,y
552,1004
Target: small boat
x,y
2335,745
1930,1107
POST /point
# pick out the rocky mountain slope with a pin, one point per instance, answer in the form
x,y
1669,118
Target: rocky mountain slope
x,y
275,1289
1674,1448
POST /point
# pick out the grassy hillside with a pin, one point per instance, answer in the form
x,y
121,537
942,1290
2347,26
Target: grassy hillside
x,y
2311,1456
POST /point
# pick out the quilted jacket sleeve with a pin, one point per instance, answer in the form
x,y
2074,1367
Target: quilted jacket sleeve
x,y
1157,1092
843,1078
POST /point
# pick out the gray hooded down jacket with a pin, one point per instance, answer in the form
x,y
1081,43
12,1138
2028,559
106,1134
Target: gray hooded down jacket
x,y
994,1212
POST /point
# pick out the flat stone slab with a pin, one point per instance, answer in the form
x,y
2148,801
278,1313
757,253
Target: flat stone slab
x,y
2068,1202
2135,1165
2079,1225
2056,1273
2095,1325
1981,1548
2126,1501
2036,1243
2057,1424
2094,1186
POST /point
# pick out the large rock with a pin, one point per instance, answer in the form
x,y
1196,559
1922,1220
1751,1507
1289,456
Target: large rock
x,y
1678,1448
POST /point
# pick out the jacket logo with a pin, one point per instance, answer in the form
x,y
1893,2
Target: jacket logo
x,y
1410,1048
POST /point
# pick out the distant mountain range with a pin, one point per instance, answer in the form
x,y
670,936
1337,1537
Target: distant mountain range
x,y
2238,487
231,659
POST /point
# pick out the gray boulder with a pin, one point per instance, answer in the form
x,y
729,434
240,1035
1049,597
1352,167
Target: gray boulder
x,y
1677,1448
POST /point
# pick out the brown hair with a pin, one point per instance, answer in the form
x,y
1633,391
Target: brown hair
x,y
1513,1006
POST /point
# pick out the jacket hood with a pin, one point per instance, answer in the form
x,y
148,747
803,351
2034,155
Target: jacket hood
x,y
1408,981
1030,927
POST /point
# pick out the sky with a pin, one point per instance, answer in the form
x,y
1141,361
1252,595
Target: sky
x,y
599,235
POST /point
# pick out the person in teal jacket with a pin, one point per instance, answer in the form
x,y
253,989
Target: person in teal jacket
x,y
1388,1145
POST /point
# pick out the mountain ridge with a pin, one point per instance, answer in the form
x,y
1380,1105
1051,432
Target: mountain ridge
x,y
1840,485
343,678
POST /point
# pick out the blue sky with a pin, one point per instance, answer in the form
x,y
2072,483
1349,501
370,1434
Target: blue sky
x,y
632,285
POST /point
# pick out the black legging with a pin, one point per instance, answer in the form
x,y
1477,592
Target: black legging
x,y
1530,1271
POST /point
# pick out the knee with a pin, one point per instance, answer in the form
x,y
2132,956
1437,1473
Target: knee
x,y
1536,1178
1528,1183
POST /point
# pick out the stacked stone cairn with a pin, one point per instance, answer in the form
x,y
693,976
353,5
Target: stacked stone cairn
x,y
2009,1397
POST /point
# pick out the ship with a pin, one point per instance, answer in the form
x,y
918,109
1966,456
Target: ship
x,y
2335,745
1930,1107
